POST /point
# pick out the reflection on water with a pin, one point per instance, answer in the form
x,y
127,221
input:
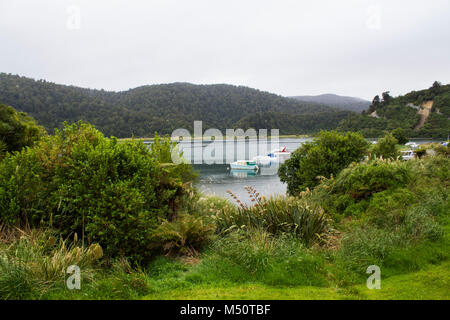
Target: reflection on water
x,y
217,179
242,173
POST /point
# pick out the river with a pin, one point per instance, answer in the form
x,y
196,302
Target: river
x,y
215,177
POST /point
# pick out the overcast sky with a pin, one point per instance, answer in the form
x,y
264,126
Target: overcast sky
x,y
356,47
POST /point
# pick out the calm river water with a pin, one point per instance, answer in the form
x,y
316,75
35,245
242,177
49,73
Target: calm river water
x,y
212,161
217,178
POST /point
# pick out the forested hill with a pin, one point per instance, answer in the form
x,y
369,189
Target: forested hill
x,y
340,102
162,108
424,113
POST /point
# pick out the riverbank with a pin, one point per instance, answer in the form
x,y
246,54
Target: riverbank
x,y
209,138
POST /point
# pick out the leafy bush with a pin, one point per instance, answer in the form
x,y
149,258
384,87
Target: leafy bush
x,y
78,181
3,149
387,208
386,148
365,179
326,155
17,130
400,135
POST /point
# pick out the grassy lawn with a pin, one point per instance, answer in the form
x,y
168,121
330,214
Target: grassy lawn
x,y
432,283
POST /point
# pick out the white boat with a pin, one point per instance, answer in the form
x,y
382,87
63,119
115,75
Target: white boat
x,y
265,160
280,152
244,165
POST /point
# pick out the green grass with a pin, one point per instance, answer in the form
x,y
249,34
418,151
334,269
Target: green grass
x,y
247,292
432,283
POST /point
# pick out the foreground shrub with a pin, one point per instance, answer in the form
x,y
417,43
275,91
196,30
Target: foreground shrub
x,y
388,208
326,155
279,215
394,251
186,234
34,263
108,192
3,149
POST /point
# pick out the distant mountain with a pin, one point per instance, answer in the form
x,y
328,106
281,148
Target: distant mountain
x,y
424,113
161,108
340,102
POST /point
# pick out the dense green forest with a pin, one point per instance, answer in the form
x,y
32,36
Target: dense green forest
x,y
387,113
293,124
340,102
161,108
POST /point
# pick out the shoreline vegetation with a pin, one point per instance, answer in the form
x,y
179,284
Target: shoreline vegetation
x,y
211,138
299,136
137,227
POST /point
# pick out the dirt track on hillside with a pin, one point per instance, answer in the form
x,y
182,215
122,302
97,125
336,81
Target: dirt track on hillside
x,y
424,113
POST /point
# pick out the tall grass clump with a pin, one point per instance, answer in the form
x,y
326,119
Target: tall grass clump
x,y
277,216
34,262
254,255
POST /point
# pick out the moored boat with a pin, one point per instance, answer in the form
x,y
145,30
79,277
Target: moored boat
x,y
244,165
280,152
265,160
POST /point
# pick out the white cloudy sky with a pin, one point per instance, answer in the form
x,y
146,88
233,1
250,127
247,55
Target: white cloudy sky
x,y
290,47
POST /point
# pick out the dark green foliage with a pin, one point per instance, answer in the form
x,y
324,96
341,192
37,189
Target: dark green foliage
x,y
386,99
109,192
185,235
436,126
402,217
293,124
400,135
442,104
352,191
386,148
339,102
3,149
365,179
375,104
161,108
17,130
326,155
397,112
